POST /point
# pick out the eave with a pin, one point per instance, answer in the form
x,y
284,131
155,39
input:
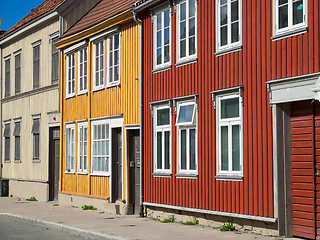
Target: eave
x,y
89,32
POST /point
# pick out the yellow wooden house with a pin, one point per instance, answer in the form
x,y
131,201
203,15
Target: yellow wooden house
x,y
99,105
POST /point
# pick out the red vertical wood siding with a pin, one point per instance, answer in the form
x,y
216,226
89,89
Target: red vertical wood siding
x,y
259,61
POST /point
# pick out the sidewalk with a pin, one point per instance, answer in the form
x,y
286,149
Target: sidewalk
x,y
125,227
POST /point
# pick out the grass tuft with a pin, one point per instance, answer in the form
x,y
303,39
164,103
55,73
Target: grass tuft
x,y
194,222
32,199
168,220
88,207
228,227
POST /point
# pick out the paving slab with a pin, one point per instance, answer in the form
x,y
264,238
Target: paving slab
x,y
122,226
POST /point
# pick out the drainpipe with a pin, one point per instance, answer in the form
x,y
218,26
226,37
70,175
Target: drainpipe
x,y
59,69
141,110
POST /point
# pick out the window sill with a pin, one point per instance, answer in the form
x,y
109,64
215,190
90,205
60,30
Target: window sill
x,y
228,50
98,89
69,172
289,33
100,174
36,161
70,96
117,84
82,93
186,62
187,175
229,178
161,69
160,174
17,161
7,161
82,173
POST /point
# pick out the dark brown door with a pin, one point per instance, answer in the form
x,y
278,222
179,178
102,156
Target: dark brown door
x,y
54,160
134,169
116,159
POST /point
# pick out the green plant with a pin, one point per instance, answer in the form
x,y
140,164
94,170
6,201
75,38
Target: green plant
x,y
101,212
228,227
118,213
11,195
168,220
75,207
55,205
32,199
194,222
88,207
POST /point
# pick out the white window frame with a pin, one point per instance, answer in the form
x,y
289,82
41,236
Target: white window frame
x,y
111,83
82,170
187,126
238,121
100,86
81,65
162,129
72,67
69,167
93,124
229,46
291,29
193,56
161,10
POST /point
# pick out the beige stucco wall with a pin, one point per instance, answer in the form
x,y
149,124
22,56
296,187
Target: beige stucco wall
x,y
77,12
29,189
28,103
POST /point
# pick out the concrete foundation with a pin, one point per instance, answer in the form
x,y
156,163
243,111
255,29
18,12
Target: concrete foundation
x,y
101,204
242,225
25,189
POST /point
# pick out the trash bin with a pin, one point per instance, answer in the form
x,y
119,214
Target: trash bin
x,y
4,187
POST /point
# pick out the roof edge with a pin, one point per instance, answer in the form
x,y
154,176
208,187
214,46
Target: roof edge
x,y
140,5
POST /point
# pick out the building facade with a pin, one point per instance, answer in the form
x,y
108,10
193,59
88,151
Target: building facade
x,y
100,109
30,104
213,145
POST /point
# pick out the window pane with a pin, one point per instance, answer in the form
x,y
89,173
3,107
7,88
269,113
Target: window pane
x,y
107,146
192,28
182,48
17,148
159,56
282,2
182,12
185,114
283,16
163,117
183,147
223,15
116,57
298,12
234,11
223,2
7,148
116,74
166,36
116,41
167,150
236,148
192,149
183,30
192,8
224,36
159,39
159,150
166,54
230,108
192,46
159,21
166,18
235,32
224,148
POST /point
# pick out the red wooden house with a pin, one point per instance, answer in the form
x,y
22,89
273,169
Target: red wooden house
x,y
215,141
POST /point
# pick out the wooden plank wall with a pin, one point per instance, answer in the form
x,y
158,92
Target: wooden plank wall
x,y
123,99
259,61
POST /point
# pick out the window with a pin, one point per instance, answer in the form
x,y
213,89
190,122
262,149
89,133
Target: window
x,y
83,70
289,15
7,78
113,59
36,66
82,147
17,147
55,61
100,148
98,65
162,38
229,24
187,138
229,130
6,135
70,148
162,139
71,75
187,30
17,73
36,138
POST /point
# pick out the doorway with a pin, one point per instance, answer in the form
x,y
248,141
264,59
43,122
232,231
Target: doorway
x,y
116,158
134,169
54,160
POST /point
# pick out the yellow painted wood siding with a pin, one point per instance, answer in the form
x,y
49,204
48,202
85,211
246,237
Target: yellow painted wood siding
x,y
118,100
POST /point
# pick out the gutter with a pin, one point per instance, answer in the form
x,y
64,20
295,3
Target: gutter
x,y
138,6
141,115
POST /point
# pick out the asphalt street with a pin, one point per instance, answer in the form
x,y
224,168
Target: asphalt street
x,y
13,228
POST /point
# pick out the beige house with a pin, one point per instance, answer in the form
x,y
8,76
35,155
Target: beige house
x,y
30,104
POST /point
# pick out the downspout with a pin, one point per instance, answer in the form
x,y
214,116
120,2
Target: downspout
x,y
141,116
59,79
1,165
